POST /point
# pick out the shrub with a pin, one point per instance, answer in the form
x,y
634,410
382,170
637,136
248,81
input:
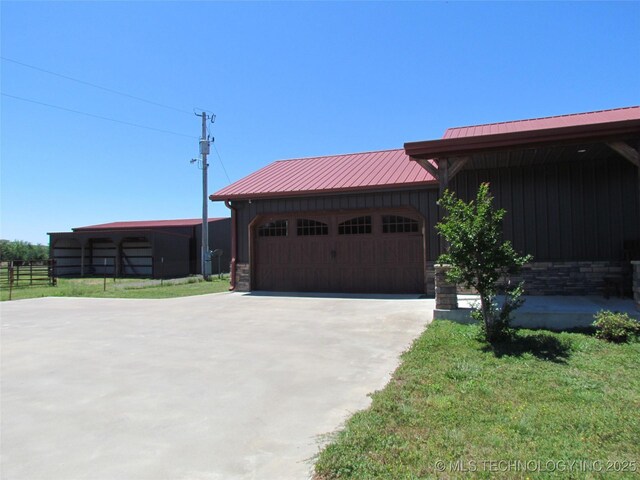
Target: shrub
x,y
615,326
480,258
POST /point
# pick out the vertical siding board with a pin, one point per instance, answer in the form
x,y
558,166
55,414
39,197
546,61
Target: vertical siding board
x,y
606,210
242,224
518,209
616,244
368,201
495,186
629,205
541,206
594,199
528,214
559,214
554,228
415,200
580,223
616,211
512,229
434,238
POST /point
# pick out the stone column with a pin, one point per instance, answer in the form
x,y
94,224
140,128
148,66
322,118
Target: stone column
x,y
636,282
446,296
243,277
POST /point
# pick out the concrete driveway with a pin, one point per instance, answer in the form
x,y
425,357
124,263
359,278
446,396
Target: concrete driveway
x,y
226,386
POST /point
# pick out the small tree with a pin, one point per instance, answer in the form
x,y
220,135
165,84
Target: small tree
x,y
479,258
21,250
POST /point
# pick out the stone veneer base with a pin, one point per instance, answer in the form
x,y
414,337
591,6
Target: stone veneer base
x,y
559,278
243,277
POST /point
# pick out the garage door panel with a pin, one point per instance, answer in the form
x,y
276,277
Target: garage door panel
x,y
358,257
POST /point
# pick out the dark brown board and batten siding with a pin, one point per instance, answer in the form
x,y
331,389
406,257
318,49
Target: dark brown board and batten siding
x,y
556,211
563,211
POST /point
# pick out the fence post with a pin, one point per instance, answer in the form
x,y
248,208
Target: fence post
x,y
104,287
161,271
10,279
52,273
31,273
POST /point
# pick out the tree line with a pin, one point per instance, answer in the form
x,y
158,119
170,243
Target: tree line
x,y
11,250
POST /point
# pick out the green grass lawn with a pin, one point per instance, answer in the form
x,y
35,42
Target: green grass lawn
x,y
121,288
457,409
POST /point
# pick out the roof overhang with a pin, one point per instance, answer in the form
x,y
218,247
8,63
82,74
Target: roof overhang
x,y
465,146
100,233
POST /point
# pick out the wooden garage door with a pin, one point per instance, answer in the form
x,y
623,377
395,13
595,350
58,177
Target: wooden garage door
x,y
370,252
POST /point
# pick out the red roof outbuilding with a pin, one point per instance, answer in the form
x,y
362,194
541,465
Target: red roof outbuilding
x,y
187,222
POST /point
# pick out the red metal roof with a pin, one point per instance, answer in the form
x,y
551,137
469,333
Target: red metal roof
x,y
600,126
572,120
189,222
337,173
393,168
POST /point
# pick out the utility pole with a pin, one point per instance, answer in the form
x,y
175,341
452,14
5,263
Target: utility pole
x,y
204,151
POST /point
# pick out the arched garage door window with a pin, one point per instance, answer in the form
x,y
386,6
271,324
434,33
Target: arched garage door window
x,y
398,224
308,227
355,226
274,229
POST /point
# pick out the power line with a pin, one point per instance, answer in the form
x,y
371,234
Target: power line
x,y
221,164
97,116
110,90
115,120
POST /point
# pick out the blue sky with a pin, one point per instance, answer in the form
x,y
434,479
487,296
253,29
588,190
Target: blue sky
x,y
285,80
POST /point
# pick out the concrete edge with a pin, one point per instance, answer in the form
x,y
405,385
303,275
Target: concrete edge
x,y
534,320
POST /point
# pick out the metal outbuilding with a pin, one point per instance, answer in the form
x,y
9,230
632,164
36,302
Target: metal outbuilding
x,y
153,249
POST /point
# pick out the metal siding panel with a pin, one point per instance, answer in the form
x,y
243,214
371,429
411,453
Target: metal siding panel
x,y
540,217
432,219
244,217
590,215
556,228
507,202
579,227
629,203
517,204
529,212
220,238
611,184
617,230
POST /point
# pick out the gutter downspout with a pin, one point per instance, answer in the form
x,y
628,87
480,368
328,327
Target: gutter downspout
x,y
234,243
